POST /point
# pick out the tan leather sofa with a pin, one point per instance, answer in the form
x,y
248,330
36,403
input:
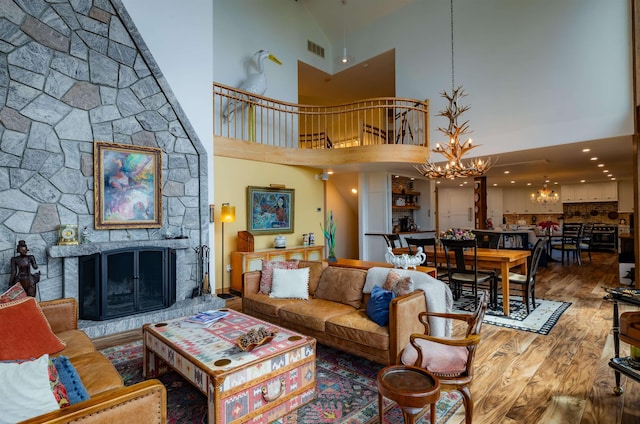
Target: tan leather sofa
x,y
335,324
111,401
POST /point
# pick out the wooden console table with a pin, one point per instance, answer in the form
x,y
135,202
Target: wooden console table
x,y
242,262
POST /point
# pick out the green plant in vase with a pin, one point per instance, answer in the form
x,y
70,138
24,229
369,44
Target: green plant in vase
x,y
329,231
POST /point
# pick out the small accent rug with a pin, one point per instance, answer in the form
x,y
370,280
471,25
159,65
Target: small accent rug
x,y
541,319
345,391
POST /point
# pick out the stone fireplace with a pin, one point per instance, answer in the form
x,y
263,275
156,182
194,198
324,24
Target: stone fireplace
x,y
73,73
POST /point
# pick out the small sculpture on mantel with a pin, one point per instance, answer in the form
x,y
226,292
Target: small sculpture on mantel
x,y
21,269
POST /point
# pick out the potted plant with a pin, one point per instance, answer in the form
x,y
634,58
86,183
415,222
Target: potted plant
x,y
329,231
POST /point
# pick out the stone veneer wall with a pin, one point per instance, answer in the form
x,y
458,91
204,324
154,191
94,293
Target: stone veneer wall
x,y
73,72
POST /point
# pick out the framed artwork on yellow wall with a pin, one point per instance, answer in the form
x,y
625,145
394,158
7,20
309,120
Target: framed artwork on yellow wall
x,y
271,210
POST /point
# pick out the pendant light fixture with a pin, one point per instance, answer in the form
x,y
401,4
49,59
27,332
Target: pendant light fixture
x,y
344,59
455,149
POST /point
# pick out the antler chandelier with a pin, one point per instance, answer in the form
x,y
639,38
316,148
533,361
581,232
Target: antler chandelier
x,y
544,196
455,149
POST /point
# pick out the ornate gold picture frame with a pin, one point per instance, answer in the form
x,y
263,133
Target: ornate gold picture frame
x,y
127,186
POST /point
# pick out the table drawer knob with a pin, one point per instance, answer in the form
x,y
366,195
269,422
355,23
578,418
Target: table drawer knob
x,y
265,392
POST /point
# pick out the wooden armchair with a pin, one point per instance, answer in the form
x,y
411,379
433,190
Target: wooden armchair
x,y
449,359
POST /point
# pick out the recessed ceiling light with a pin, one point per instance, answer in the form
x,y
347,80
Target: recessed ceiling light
x,y
600,165
354,190
437,182
506,172
586,150
528,184
612,179
495,184
610,175
555,182
461,185
583,181
594,158
605,170
513,182
547,181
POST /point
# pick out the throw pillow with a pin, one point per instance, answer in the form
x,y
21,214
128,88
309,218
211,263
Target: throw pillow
x,y
316,268
14,292
25,391
76,391
266,277
342,285
57,386
378,305
397,284
25,332
290,284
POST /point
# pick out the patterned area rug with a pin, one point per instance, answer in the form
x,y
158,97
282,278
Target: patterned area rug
x,y
541,319
346,391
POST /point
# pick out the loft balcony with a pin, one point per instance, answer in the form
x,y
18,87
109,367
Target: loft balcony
x,y
373,131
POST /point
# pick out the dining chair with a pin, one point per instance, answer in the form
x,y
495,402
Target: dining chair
x,y
430,249
393,241
586,238
460,273
488,240
450,359
527,282
569,242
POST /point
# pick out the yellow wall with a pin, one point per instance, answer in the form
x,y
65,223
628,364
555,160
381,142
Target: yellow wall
x,y
231,179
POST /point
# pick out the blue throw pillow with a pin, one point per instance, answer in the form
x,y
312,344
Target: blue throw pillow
x,y
378,305
71,380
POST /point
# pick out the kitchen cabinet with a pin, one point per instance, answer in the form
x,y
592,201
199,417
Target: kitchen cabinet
x,y
242,262
494,205
455,208
625,196
592,192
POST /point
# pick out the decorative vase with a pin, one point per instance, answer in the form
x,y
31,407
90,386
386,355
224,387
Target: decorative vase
x,y
332,254
280,242
405,261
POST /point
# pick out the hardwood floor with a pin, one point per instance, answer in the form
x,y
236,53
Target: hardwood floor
x,y
562,377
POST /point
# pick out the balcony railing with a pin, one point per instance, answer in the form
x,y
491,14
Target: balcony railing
x,y
388,120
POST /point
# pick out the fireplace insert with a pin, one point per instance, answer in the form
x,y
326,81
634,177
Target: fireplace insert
x,y
127,281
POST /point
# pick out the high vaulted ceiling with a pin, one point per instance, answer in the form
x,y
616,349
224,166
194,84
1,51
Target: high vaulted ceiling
x,y
375,77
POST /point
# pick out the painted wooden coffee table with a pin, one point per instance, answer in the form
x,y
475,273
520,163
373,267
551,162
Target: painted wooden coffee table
x,y
249,387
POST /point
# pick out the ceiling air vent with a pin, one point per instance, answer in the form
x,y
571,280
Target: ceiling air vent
x,y
315,49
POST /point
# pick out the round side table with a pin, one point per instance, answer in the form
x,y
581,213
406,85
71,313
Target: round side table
x,y
412,388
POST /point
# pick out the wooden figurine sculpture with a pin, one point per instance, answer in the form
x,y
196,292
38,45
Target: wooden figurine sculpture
x,y
21,269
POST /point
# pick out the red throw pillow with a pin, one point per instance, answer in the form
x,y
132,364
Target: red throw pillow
x,y
25,332
14,292
266,278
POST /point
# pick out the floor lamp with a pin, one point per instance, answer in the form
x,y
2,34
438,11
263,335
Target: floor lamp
x,y
228,214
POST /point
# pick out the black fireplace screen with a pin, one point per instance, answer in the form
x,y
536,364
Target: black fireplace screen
x,y
126,281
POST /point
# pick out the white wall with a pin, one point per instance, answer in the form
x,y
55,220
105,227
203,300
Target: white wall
x,y
537,73
179,35
242,27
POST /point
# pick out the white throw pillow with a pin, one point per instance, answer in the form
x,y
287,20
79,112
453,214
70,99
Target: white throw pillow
x,y
25,391
290,284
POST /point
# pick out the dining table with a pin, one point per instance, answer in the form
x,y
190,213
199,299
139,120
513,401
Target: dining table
x,y
501,260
